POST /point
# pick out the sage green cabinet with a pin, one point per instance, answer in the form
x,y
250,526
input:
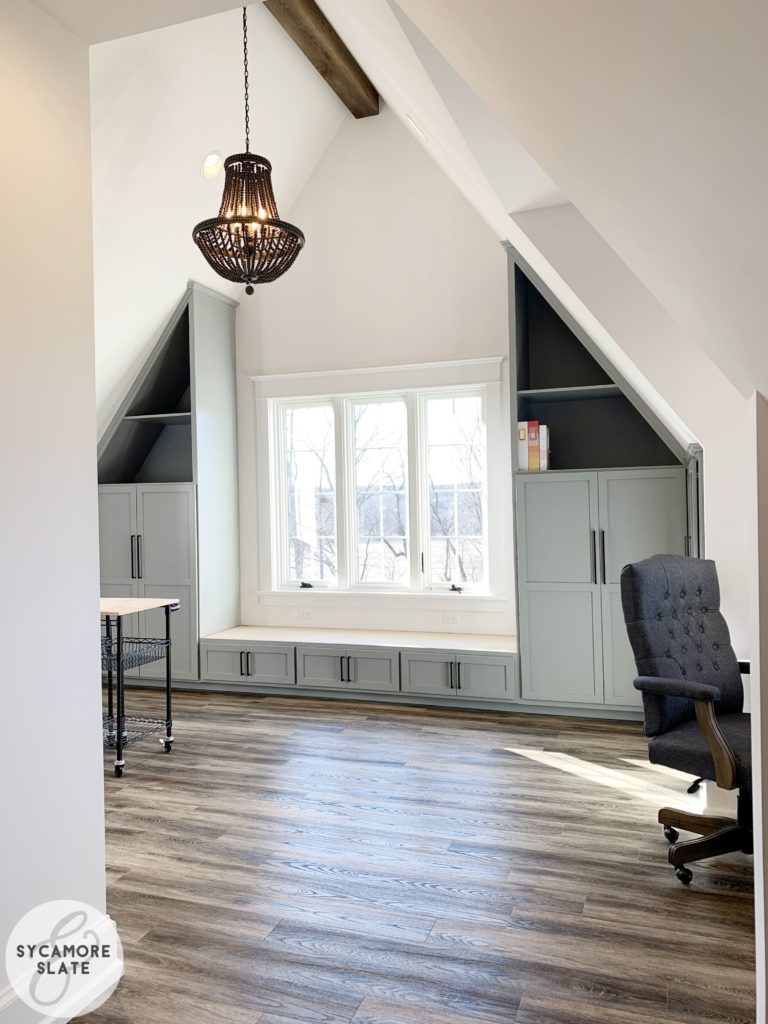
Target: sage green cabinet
x,y
347,668
463,675
575,533
265,664
148,548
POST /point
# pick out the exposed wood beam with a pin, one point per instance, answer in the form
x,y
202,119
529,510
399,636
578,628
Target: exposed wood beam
x,y
316,37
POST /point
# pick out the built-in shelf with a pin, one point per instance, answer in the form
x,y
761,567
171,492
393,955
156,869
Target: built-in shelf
x,y
171,419
592,423
571,394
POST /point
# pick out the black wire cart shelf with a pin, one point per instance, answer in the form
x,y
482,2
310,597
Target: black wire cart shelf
x,y
119,653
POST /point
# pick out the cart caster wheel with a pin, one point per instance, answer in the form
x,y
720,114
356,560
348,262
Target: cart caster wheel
x,y
684,874
671,834
168,746
118,772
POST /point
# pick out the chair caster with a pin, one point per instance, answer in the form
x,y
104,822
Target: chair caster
x,y
671,834
168,746
684,874
118,771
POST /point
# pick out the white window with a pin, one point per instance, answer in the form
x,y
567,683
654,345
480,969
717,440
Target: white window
x,y
385,492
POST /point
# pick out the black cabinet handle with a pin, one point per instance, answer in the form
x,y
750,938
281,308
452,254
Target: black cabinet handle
x,y
458,675
242,663
593,555
602,555
133,556
139,556
450,674
341,668
349,668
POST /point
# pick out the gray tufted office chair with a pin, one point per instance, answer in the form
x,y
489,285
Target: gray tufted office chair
x,y
692,695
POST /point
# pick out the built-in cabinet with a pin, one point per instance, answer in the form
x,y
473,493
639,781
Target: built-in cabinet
x,y
616,492
148,548
349,668
464,676
461,675
241,664
168,489
575,533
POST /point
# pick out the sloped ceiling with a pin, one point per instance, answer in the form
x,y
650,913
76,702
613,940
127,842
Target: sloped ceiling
x,y
650,117
96,21
160,102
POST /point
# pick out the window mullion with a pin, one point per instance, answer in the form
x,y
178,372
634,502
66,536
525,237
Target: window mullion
x,y
342,490
415,493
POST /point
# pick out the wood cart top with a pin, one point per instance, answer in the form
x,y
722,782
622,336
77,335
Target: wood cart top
x,y
119,606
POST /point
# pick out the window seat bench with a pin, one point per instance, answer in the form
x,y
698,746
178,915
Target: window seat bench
x,y
453,668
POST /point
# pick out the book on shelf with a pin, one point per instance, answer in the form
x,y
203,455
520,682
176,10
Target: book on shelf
x,y
532,445
543,446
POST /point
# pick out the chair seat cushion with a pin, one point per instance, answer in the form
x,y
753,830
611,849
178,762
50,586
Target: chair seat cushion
x,y
683,747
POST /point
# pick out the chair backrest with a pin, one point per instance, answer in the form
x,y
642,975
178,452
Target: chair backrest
x,y
672,613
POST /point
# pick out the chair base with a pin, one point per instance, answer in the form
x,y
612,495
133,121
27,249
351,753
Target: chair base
x,y
717,836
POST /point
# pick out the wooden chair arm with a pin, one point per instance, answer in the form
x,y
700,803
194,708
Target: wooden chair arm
x,y
722,755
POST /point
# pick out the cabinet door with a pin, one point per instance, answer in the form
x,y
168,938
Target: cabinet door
x,y
557,517
117,525
166,524
223,663
271,665
642,513
561,644
427,673
320,666
559,593
485,677
166,521
372,669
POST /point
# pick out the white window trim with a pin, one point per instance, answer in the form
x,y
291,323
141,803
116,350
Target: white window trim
x,y
341,388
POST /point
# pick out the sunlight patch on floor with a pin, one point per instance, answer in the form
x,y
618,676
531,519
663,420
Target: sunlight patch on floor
x,y
631,784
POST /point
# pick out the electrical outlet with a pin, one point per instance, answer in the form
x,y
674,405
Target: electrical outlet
x,y
305,613
450,618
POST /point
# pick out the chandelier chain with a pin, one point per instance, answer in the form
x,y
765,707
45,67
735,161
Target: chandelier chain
x,y
245,78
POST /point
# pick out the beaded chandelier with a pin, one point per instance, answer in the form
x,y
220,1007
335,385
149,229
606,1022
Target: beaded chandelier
x,y
248,242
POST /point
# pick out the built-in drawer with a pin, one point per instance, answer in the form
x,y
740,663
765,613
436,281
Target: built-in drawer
x,y
232,662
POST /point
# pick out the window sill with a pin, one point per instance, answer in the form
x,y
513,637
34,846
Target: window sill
x,y
381,598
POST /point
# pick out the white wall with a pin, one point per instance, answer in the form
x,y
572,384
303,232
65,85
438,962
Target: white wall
x,y
50,725
398,269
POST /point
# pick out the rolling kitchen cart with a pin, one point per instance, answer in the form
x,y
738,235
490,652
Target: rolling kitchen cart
x,y
120,652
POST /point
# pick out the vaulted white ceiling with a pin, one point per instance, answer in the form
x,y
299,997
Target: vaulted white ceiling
x,y
160,102
96,21
650,116
524,106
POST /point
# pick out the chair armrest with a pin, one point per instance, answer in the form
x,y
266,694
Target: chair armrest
x,y
663,687
704,697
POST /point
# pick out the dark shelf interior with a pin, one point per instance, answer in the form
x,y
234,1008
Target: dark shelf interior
x,y
153,442
592,424
166,386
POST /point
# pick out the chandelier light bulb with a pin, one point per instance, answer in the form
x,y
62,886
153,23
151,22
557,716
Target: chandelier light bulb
x,y
212,164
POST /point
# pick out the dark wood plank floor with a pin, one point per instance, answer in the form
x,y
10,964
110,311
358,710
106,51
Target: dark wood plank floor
x,y
299,861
